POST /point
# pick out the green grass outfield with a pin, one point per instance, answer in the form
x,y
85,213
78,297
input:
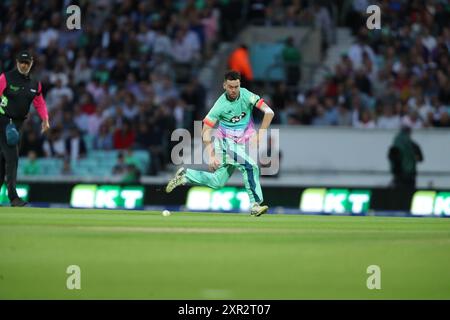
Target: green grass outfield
x,y
143,255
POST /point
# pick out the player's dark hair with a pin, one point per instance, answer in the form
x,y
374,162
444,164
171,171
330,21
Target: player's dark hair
x,y
232,75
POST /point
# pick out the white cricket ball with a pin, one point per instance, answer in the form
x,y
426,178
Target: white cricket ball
x,y
166,213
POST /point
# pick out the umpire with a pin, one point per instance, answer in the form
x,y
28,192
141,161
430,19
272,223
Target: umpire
x,y
17,91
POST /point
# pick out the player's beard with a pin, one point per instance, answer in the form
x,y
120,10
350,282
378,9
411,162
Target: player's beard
x,y
233,96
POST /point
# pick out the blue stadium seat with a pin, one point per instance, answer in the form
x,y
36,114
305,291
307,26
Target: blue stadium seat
x,y
89,141
50,166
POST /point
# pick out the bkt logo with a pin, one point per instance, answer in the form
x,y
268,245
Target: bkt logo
x,y
238,118
431,203
107,196
335,200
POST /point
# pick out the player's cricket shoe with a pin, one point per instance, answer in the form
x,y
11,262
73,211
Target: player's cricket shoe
x,y
177,180
17,202
258,210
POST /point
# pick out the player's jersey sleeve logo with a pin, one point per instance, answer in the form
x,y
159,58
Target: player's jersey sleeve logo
x,y
238,118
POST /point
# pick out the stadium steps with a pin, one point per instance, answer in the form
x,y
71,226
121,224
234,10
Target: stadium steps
x,y
344,39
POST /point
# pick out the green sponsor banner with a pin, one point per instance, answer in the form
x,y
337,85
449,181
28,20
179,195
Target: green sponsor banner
x,y
335,200
131,197
227,198
359,201
22,192
426,203
107,196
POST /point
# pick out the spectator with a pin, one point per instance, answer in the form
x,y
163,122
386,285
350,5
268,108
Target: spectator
x,y
331,112
143,137
132,174
412,120
31,141
56,94
32,166
357,50
320,118
194,94
129,107
292,59
82,72
94,121
365,120
60,74
164,89
145,141
47,35
388,120
322,21
96,90
124,137
75,145
185,52
54,145
275,13
103,140
344,117
130,158
210,19
239,60
120,167
162,46
87,104
80,119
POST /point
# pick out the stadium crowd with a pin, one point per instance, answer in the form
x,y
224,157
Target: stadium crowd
x,y
127,78
389,78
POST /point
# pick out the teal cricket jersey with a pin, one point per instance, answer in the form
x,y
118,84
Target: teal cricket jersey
x,y
234,117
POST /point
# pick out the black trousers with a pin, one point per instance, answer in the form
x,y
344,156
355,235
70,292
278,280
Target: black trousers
x,y
9,160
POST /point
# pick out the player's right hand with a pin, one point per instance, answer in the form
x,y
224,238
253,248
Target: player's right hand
x,y
214,163
45,126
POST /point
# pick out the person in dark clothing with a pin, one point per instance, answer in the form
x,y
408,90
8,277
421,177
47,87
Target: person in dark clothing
x,y
403,157
239,60
292,59
17,90
31,141
120,167
195,94
75,145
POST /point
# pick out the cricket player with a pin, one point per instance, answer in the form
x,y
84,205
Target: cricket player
x,y
233,114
